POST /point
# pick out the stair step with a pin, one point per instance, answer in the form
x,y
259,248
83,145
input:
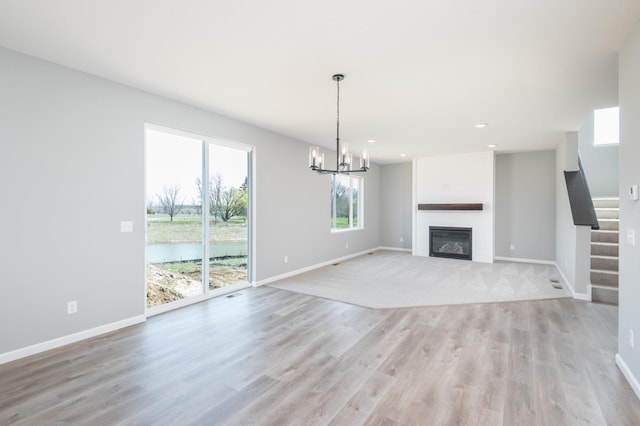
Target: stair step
x,y
607,263
607,213
604,249
609,224
601,277
605,236
604,294
606,202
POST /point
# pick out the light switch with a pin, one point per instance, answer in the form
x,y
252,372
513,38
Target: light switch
x,y
631,236
126,226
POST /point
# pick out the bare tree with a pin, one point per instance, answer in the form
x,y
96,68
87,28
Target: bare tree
x,y
216,190
170,201
233,202
224,203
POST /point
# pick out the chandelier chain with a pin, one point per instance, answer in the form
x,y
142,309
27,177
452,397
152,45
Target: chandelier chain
x,y
338,112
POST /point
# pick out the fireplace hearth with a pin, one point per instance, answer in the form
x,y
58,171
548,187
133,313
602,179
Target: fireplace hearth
x,y
450,242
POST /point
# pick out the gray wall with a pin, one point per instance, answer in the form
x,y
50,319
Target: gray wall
x,y
629,314
395,206
600,163
525,205
72,167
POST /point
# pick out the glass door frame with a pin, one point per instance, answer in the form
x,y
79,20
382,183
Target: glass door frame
x,y
207,142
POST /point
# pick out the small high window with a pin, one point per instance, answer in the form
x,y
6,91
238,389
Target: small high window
x,y
606,127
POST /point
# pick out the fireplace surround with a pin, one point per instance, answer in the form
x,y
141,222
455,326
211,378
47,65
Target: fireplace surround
x,y
450,242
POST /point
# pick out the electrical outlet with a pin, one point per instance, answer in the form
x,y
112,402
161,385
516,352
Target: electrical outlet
x,y
286,259
512,247
347,245
72,307
631,338
126,226
402,239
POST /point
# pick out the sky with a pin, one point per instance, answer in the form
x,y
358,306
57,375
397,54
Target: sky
x,y
177,160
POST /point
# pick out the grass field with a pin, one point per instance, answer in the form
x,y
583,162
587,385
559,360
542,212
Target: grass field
x,y
188,229
343,222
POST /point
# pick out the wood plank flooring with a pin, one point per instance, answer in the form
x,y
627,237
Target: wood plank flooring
x,y
273,357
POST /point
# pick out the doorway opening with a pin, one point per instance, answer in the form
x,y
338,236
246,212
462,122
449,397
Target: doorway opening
x,y
198,227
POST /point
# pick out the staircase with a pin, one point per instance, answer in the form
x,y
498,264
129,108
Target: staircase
x,y
604,251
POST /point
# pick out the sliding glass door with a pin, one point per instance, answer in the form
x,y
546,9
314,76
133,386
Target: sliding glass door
x,y
228,227
197,191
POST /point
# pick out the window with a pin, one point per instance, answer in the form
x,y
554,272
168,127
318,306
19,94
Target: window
x,y
606,126
346,202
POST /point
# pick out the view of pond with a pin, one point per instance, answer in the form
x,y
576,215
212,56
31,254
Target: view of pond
x,y
159,253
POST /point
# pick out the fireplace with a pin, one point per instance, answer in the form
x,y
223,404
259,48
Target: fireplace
x,y
450,242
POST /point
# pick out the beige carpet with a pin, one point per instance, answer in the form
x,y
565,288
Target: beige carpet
x,y
389,279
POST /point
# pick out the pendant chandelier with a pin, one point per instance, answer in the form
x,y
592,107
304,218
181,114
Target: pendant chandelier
x,y
344,159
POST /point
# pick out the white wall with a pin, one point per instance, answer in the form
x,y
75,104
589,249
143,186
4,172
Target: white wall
x,y
462,178
72,167
600,162
629,312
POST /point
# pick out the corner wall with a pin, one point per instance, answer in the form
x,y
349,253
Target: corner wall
x,y
525,206
572,242
395,205
629,284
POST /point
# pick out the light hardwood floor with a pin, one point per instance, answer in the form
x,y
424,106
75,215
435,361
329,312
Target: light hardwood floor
x,y
273,357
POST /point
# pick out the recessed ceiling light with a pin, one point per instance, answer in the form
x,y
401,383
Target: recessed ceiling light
x,y
371,141
493,145
481,125
403,155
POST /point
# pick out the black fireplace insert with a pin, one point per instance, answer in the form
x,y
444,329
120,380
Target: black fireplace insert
x,y
450,242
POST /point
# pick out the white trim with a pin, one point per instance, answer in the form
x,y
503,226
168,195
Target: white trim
x,y
68,339
414,206
408,250
520,260
160,309
228,143
251,218
312,267
633,382
578,296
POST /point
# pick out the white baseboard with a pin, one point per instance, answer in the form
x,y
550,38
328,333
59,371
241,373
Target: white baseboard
x,y
71,338
578,296
628,375
312,267
408,250
520,260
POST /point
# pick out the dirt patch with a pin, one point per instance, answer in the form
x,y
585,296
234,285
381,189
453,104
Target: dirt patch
x,y
166,286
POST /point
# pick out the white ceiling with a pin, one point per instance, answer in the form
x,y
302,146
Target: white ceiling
x,y
419,73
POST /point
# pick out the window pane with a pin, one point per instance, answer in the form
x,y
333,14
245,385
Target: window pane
x,y
228,231
342,201
355,197
346,202
606,126
174,218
